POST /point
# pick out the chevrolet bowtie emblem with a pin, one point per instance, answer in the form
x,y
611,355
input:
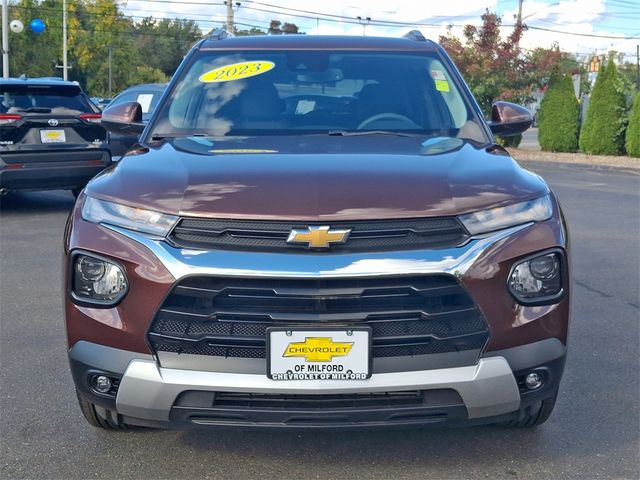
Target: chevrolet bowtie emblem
x,y
318,349
318,236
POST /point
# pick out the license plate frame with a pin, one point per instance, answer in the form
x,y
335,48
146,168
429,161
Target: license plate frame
x,y
53,136
341,367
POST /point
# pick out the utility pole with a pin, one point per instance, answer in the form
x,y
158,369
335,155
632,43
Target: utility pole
x,y
65,67
110,50
5,39
519,21
638,68
364,22
229,4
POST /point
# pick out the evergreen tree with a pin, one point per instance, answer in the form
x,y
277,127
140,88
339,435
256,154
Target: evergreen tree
x,y
558,117
603,129
633,131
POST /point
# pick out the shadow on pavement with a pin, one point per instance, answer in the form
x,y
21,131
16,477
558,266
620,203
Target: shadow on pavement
x,y
37,202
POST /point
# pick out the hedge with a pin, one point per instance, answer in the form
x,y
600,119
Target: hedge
x,y
633,130
559,117
603,129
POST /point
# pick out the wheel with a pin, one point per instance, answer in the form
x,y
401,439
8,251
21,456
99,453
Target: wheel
x,y
386,116
76,192
535,414
99,417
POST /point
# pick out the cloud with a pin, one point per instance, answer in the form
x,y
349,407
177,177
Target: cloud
x,y
577,16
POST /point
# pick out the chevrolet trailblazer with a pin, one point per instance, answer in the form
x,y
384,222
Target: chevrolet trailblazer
x,y
316,232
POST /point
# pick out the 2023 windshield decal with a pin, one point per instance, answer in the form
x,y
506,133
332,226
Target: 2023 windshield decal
x,y
237,71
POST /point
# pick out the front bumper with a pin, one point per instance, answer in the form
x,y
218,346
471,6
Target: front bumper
x,y
151,395
180,390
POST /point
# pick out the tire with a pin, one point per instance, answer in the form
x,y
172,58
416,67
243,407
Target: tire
x,y
535,414
107,421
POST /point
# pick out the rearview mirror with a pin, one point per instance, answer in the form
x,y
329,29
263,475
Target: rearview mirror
x,y
124,118
509,119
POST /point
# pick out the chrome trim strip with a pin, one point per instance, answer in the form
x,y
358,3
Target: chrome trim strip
x,y
183,262
148,392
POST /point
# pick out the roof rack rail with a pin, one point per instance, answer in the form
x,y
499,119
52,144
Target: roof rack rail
x,y
415,35
220,34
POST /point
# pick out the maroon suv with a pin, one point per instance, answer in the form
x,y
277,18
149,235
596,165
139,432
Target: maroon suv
x,y
316,232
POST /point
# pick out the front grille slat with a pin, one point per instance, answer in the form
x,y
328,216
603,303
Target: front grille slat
x,y
229,317
438,232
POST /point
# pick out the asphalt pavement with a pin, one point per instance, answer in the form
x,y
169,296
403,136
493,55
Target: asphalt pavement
x,y
593,432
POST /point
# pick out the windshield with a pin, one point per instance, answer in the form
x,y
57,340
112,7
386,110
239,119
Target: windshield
x,y
293,92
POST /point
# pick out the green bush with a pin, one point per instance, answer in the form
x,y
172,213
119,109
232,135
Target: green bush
x,y
512,141
559,117
603,129
633,131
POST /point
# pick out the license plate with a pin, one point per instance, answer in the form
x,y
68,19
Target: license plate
x,y
52,136
319,353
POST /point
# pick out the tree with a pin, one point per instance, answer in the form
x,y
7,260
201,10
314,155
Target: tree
x,y
603,129
558,118
276,27
633,131
36,54
251,31
161,44
492,68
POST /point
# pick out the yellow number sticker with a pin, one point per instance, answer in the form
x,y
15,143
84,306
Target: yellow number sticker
x,y
442,85
237,71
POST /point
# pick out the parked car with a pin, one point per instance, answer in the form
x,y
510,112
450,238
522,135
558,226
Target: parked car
x,y
147,96
317,232
50,135
100,102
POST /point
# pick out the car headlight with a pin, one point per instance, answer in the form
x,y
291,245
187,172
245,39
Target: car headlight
x,y
493,219
138,219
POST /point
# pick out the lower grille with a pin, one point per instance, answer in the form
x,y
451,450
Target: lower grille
x,y
408,316
419,407
198,399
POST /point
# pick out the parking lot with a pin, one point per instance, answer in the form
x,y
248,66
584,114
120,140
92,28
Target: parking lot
x,y
593,433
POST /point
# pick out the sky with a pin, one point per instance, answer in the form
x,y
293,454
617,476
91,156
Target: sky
x,y
588,24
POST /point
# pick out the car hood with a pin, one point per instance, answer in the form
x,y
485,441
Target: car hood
x,y
316,178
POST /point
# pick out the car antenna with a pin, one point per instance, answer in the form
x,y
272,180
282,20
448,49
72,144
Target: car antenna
x,y
220,34
415,35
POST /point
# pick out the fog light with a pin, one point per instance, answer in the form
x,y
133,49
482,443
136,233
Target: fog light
x,y
533,381
102,384
537,280
96,280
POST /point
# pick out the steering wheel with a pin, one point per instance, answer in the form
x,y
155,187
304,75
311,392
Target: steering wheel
x,y
385,116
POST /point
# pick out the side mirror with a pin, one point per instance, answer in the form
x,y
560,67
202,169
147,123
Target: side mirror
x,y
508,119
125,118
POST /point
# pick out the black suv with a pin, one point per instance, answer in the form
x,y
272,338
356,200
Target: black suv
x,y
50,135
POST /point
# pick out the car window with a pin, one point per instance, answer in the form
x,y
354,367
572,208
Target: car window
x,y
147,100
288,92
44,99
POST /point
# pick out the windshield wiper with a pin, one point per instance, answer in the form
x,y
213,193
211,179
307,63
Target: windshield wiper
x,y
160,136
35,110
357,133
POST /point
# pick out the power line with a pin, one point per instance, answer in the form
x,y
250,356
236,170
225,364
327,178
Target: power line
x,y
592,35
